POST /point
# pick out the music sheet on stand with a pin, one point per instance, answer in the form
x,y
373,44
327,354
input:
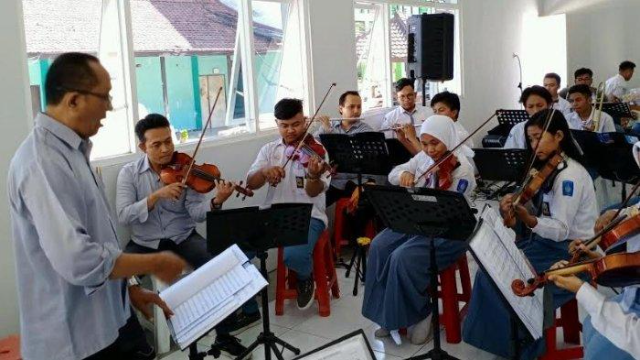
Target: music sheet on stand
x,y
353,348
208,295
494,245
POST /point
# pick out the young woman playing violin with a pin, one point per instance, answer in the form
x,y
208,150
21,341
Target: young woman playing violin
x,y
397,274
612,329
566,209
296,173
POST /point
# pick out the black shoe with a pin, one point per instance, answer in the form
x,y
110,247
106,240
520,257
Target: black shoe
x,y
306,292
244,321
230,345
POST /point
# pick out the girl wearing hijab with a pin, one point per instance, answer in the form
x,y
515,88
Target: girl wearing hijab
x,y
398,264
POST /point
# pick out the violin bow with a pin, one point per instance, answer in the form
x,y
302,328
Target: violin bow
x,y
195,152
306,130
450,152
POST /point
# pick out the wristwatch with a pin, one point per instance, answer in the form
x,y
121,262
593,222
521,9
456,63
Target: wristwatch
x,y
133,281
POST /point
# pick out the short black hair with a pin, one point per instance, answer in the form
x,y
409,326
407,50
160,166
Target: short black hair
x,y
554,76
404,82
343,97
69,72
287,108
536,90
151,121
583,89
452,100
626,65
582,71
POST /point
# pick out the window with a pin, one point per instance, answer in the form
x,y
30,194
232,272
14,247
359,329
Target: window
x,y
381,48
172,56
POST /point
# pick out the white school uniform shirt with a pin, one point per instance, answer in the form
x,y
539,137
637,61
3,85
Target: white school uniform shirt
x,y
616,86
463,133
612,319
569,209
291,188
606,121
516,138
563,106
400,116
464,180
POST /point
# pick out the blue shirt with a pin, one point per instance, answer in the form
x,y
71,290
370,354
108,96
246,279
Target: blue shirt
x,y
168,219
65,247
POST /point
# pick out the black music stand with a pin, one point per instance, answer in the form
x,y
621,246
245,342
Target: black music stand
x,y
362,153
501,165
507,119
511,118
430,213
617,110
279,225
398,154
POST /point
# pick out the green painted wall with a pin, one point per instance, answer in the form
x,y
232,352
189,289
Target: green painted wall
x,y
37,74
149,84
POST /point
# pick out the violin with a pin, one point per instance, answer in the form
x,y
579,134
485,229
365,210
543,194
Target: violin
x,y
616,270
201,178
444,173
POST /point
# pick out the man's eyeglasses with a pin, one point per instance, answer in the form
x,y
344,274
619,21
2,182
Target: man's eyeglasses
x,y
105,97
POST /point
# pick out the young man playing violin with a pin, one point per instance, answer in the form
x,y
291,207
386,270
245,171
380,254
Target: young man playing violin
x,y
164,216
612,329
398,275
291,179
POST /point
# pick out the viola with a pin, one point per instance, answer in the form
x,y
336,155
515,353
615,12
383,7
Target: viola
x,y
201,178
616,270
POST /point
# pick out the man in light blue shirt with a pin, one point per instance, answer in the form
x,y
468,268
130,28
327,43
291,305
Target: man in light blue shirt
x,y
163,217
73,299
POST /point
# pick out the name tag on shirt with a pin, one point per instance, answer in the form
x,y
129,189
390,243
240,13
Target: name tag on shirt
x,y
300,182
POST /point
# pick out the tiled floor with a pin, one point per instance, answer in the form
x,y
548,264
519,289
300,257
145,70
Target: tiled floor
x,y
307,330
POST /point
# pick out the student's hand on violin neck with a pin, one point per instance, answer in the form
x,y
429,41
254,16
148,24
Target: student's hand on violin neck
x,y
571,283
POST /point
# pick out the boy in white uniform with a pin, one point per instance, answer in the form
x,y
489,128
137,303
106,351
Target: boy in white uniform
x,y
552,82
584,112
618,86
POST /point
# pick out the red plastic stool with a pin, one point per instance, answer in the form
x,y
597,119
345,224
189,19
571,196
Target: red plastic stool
x,y
571,328
338,226
324,275
452,315
10,348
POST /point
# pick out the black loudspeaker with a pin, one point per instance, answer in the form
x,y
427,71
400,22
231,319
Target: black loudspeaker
x,y
430,41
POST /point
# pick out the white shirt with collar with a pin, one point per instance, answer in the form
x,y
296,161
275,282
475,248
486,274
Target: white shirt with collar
x,y
569,209
292,188
606,121
464,180
400,116
516,138
616,86
563,106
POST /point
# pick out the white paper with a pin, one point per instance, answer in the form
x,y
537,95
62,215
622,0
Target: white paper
x,y
494,246
207,296
353,348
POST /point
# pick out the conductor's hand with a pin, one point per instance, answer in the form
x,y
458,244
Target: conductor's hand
x,y
273,174
168,266
143,300
407,179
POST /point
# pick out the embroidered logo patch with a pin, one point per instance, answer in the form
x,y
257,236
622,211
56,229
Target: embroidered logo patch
x,y
567,188
462,186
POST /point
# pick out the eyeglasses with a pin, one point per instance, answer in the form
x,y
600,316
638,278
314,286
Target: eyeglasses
x,y
105,97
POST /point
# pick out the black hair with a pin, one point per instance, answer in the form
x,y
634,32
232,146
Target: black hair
x,y
69,72
583,89
554,76
626,65
343,97
452,100
151,121
582,71
557,123
287,108
402,83
536,90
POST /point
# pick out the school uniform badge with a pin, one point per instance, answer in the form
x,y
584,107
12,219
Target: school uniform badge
x,y
462,186
567,188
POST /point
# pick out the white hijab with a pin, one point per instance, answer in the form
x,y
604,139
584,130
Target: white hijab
x,y
442,128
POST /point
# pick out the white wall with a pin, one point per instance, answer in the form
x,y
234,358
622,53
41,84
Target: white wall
x,y
15,115
603,35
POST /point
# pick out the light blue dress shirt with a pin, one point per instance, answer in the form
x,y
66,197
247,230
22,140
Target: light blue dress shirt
x,y
65,247
168,219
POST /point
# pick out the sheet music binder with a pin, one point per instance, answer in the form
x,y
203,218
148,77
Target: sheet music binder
x,y
501,164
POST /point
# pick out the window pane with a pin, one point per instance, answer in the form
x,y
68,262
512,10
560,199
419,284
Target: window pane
x,y
184,52
51,29
370,50
277,34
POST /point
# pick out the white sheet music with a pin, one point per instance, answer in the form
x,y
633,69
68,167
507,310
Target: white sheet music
x,y
353,348
205,297
494,246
